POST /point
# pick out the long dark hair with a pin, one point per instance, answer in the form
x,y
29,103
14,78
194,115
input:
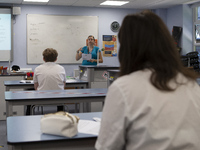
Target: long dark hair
x,y
145,42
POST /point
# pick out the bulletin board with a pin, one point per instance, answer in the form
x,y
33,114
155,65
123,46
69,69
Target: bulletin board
x,y
110,45
66,34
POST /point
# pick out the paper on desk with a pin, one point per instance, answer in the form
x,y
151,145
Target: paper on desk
x,y
26,81
86,56
88,127
71,80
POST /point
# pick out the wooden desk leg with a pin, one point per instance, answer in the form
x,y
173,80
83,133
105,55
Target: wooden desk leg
x,y
9,109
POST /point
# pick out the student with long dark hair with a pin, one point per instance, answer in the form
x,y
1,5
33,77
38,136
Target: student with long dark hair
x,y
155,103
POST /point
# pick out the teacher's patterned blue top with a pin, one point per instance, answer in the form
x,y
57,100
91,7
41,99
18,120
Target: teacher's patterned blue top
x,y
94,55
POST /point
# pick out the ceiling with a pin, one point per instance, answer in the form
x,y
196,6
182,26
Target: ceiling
x,y
133,4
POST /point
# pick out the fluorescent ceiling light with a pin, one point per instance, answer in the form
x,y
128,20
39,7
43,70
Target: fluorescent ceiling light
x,y
36,0
191,2
114,3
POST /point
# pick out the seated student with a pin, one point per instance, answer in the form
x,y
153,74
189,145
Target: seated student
x,y
50,76
155,103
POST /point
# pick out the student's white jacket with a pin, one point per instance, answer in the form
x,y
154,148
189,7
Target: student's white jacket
x,y
137,116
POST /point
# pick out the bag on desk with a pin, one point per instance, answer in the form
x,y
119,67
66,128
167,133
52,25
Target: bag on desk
x,y
60,123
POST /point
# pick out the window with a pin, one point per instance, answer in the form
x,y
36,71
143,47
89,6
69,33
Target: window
x,y
196,29
197,33
5,34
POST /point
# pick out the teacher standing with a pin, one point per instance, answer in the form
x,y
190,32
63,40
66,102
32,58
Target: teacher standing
x,y
90,49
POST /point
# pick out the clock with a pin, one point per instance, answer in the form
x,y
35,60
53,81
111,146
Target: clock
x,y
115,26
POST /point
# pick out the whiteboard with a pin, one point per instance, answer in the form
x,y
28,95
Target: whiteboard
x,y
66,34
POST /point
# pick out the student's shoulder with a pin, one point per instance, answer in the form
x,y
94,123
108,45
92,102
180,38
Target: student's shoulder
x,y
135,78
59,66
84,47
96,47
40,66
136,82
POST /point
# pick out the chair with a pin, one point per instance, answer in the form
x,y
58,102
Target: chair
x,y
33,107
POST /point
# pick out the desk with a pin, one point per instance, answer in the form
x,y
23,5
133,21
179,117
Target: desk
x,y
94,75
17,85
23,133
52,97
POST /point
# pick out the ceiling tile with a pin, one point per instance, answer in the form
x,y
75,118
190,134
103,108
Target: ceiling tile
x,y
34,3
11,1
133,4
89,3
62,2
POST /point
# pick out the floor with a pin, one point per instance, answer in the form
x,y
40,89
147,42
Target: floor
x,y
3,136
47,109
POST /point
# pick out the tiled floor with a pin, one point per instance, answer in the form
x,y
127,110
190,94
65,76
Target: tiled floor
x,y
3,136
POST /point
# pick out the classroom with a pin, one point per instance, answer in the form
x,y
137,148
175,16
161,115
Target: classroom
x,y
173,15
180,15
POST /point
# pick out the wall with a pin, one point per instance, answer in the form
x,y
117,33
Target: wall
x,y
106,17
187,29
172,17
181,16
162,13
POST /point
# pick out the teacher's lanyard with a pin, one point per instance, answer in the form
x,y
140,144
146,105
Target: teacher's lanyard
x,y
88,50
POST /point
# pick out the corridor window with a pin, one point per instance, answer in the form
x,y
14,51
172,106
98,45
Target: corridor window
x,y
196,28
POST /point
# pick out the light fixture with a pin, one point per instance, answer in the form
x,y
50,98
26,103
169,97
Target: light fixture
x,y
36,1
114,3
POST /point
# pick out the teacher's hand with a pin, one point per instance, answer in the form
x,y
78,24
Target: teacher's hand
x,y
92,60
79,50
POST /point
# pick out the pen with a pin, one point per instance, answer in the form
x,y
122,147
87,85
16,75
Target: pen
x,y
97,119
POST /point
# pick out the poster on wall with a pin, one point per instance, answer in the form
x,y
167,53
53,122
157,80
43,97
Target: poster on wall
x,y
109,45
